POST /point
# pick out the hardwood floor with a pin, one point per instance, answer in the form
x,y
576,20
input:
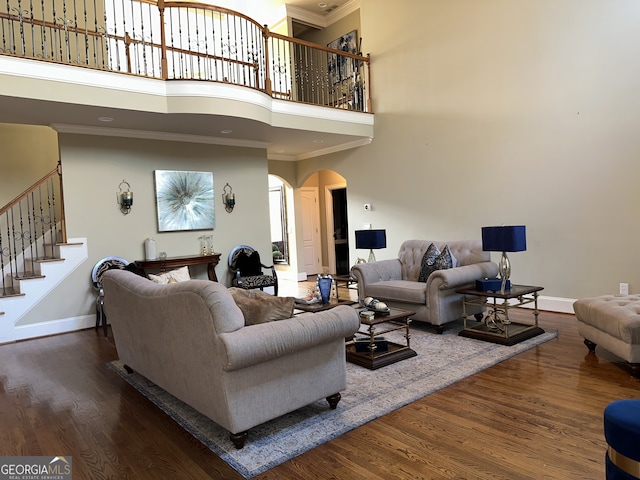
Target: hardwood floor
x,y
535,416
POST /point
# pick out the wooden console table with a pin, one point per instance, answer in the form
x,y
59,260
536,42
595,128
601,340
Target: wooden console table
x,y
171,262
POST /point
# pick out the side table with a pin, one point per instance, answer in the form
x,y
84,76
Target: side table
x,y
372,359
496,326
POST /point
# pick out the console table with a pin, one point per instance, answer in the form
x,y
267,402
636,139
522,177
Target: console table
x,y
172,262
497,327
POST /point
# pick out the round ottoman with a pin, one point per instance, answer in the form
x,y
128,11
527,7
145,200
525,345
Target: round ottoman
x,y
622,433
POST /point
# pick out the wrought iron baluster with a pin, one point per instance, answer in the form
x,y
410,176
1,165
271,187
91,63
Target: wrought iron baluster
x,y
43,31
32,239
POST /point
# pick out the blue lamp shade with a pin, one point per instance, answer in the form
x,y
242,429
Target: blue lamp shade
x,y
371,239
511,238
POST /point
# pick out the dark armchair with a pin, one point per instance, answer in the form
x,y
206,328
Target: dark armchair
x,y
248,270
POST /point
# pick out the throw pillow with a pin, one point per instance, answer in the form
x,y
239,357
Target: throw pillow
x,y
249,263
260,307
433,260
178,275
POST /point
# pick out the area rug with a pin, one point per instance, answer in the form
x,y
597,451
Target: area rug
x,y
441,361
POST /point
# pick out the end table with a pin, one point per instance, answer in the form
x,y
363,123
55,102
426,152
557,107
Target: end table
x,y
496,326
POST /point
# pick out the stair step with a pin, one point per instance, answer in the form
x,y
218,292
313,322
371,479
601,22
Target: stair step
x,y
48,259
28,276
10,292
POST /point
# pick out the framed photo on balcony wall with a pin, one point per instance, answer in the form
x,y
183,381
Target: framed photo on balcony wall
x,y
341,68
184,200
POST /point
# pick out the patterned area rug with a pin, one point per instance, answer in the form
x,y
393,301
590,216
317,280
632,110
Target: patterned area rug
x,y
441,361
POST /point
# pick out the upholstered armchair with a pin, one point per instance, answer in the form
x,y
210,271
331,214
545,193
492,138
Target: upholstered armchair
x,y
434,300
248,270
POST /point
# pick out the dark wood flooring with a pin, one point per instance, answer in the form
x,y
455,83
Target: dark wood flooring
x,y
535,416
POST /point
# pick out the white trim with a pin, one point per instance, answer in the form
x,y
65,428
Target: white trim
x,y
150,135
54,327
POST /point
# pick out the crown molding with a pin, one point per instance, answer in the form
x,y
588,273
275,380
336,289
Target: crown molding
x,y
151,135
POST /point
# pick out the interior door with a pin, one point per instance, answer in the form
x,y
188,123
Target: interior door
x,y
340,231
310,231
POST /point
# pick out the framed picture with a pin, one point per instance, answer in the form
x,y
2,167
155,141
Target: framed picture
x,y
341,68
184,200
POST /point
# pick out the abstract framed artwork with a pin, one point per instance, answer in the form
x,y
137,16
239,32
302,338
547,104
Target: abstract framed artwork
x,y
184,200
341,68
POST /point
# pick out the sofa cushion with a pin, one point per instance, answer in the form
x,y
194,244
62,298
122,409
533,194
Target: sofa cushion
x,y
174,276
260,307
434,260
398,291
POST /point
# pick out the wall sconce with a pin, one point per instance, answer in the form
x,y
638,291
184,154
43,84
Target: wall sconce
x,y
125,198
229,198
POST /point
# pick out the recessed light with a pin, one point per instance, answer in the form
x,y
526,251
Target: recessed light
x,y
105,119
226,132
318,141
322,5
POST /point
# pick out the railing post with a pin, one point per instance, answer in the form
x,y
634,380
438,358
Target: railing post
x,y
164,68
63,221
267,78
368,84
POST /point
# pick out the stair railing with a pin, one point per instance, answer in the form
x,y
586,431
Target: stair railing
x,y
31,225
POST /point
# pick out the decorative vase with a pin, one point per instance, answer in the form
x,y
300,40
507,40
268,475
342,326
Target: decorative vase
x,y
324,285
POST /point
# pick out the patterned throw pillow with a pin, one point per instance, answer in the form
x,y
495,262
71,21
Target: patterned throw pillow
x,y
433,260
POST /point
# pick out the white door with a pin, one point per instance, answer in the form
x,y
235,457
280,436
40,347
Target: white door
x,y
310,231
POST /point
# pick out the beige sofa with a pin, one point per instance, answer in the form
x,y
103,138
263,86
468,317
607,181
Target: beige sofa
x,y
396,283
190,339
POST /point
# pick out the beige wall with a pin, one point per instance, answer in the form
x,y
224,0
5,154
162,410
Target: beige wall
x,y
29,152
499,112
93,167
487,112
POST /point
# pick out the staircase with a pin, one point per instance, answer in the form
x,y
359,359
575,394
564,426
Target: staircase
x,y
35,256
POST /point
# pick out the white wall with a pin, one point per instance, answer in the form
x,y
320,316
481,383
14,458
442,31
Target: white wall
x,y
94,166
500,112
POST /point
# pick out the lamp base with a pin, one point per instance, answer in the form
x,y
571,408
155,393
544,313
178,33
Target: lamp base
x,y
372,257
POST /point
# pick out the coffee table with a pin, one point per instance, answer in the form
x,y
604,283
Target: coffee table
x,y
372,359
319,307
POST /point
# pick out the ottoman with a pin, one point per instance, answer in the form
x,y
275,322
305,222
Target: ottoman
x,y
612,321
622,433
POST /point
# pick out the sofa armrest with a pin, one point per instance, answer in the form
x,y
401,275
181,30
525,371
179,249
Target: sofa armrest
x,y
366,273
458,277
259,343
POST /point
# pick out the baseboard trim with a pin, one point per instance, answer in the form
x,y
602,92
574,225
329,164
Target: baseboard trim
x,y
54,327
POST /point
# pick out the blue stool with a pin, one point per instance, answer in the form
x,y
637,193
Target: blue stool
x,y
622,433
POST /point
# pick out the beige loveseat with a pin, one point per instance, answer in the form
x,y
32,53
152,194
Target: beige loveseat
x,y
435,301
190,339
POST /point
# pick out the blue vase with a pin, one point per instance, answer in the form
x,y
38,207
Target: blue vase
x,y
324,285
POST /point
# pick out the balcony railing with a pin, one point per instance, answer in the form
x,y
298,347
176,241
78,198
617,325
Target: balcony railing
x,y
184,41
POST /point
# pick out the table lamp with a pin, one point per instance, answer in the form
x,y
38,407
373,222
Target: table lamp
x,y
504,239
371,239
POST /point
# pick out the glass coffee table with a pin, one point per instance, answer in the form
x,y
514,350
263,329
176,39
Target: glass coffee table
x,y
368,351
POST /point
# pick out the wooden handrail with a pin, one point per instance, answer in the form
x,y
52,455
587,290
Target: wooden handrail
x,y
35,186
